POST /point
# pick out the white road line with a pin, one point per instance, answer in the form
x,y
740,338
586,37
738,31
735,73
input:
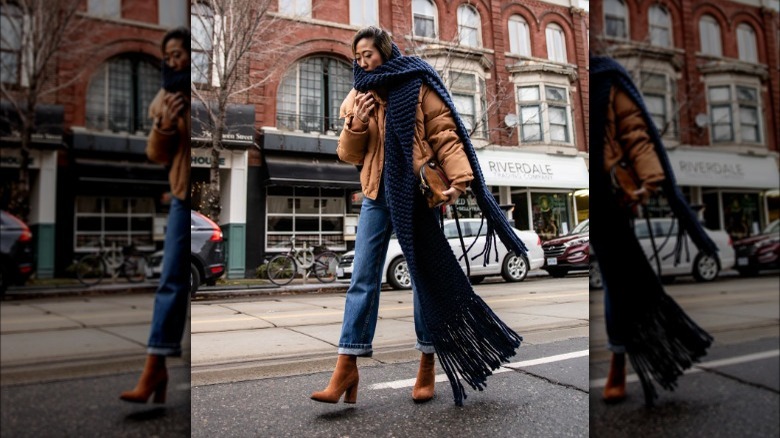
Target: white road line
x,y
408,383
599,383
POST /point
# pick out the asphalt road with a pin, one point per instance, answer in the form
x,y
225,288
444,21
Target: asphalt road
x,y
548,399
734,391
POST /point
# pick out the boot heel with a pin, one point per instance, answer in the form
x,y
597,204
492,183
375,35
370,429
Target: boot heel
x,y
351,395
160,391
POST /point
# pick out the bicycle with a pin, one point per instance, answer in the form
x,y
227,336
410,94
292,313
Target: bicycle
x,y
127,262
284,267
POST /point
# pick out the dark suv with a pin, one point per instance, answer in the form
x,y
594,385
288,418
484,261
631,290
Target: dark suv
x,y
759,252
568,253
207,247
16,257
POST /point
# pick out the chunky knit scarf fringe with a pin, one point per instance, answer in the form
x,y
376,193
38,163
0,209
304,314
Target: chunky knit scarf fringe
x,y
660,339
470,340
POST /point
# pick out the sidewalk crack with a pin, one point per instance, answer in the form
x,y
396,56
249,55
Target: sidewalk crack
x,y
549,380
310,336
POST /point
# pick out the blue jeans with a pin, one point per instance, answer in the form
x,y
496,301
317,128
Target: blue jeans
x,y
362,307
172,297
614,342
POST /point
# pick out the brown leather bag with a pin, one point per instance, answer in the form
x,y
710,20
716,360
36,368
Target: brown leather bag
x,y
433,182
625,182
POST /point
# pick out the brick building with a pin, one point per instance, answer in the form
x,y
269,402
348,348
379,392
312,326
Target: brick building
x,y
516,71
710,75
90,178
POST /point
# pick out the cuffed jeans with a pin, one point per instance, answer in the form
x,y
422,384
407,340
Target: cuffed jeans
x,y
362,307
172,297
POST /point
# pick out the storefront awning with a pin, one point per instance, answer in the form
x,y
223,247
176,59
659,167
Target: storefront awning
x,y
722,169
311,172
526,169
239,121
48,129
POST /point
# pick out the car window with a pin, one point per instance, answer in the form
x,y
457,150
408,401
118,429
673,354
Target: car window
x,y
581,227
661,228
198,221
773,227
450,231
640,229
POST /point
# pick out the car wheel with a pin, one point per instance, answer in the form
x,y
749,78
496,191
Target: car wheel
x,y
194,279
595,280
705,267
477,279
398,274
557,272
515,267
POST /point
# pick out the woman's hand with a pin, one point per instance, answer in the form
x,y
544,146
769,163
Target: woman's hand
x,y
453,194
365,104
173,104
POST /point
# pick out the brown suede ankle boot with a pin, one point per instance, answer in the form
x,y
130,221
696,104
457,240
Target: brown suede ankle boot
x,y
615,388
344,380
426,377
154,379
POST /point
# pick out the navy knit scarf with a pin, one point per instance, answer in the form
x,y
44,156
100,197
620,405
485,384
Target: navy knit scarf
x,y
470,340
660,339
176,81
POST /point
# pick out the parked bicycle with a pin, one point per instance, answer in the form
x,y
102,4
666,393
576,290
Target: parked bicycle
x,y
126,261
284,267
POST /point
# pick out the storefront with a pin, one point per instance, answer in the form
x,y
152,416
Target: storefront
x,y
739,192
548,193
44,151
238,138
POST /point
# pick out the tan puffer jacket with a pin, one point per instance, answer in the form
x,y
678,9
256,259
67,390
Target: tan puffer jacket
x,y
434,135
626,134
171,148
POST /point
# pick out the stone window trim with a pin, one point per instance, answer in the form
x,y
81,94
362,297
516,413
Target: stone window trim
x,y
544,102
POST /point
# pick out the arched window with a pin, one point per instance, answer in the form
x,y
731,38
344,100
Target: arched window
x,y
746,43
310,95
615,19
519,36
660,26
424,17
469,26
202,40
120,92
709,34
556,43
11,42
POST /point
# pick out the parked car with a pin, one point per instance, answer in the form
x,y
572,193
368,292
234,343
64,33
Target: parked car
x,y
570,252
759,252
16,256
692,262
510,266
207,253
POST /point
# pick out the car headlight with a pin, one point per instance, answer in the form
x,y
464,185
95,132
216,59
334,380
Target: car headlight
x,y
575,242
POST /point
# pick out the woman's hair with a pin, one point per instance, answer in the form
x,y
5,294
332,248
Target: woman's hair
x,y
180,33
381,39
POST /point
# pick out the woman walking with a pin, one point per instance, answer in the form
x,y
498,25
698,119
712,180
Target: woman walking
x,y
169,144
398,117
629,163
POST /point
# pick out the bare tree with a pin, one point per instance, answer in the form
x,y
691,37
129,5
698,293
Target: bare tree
x,y
227,35
36,30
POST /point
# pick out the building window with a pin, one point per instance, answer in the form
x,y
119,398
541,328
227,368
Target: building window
x,y
105,8
616,23
119,95
658,92
11,21
746,42
116,221
202,37
363,13
544,114
424,17
311,93
519,36
709,34
468,94
173,14
556,44
300,8
737,118
313,215
469,26
660,26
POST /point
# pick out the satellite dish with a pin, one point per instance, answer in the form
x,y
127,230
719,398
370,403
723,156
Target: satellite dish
x,y
511,120
701,120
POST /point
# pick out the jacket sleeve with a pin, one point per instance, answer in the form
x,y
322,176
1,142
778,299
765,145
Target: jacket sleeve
x,y
161,146
441,135
354,137
636,143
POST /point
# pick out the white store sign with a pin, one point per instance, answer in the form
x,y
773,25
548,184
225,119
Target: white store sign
x,y
526,169
201,157
721,169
